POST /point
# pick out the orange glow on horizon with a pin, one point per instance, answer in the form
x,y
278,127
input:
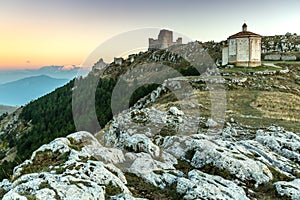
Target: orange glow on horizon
x,y
41,45
36,51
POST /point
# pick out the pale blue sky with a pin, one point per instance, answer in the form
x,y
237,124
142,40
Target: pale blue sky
x,y
66,31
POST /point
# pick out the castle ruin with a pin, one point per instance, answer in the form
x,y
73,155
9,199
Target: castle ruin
x,y
100,64
165,40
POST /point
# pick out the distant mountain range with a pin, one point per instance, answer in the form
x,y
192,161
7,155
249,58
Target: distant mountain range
x,y
8,109
59,72
22,91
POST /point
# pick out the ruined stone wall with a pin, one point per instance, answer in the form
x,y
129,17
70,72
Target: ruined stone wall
x,y
154,44
281,47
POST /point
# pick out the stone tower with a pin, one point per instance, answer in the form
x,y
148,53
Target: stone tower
x,y
165,40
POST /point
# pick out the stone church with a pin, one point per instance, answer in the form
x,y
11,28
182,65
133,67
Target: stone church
x,y
243,49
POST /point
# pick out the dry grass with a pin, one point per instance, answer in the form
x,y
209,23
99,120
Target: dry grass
x,y
197,102
278,105
253,107
249,107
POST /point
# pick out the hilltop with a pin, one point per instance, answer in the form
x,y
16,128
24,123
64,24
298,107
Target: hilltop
x,y
160,147
274,48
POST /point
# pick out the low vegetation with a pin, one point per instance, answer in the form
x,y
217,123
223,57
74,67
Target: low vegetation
x,y
278,105
111,190
43,160
140,188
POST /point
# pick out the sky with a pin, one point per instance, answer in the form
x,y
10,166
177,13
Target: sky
x,y
35,33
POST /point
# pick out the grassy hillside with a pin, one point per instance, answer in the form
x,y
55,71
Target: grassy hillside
x,y
261,100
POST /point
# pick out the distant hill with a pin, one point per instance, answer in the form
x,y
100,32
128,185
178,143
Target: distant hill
x,y
8,109
60,72
24,90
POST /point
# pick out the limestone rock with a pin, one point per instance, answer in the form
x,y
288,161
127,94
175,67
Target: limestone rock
x,y
75,174
211,123
200,185
164,151
231,157
174,111
125,197
290,189
285,143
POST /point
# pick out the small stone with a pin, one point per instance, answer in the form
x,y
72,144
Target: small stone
x,y
211,123
175,111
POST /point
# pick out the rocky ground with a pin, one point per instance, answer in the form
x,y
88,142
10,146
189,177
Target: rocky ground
x,y
190,166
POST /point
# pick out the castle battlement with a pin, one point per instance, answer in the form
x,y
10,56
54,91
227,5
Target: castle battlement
x,y
165,40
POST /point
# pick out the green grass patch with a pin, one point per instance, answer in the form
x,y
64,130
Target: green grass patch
x,y
277,176
268,190
77,183
183,166
76,145
213,170
30,197
111,190
168,130
43,160
159,172
142,189
2,193
44,184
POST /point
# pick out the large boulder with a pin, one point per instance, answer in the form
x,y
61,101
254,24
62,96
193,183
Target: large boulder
x,y
199,185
